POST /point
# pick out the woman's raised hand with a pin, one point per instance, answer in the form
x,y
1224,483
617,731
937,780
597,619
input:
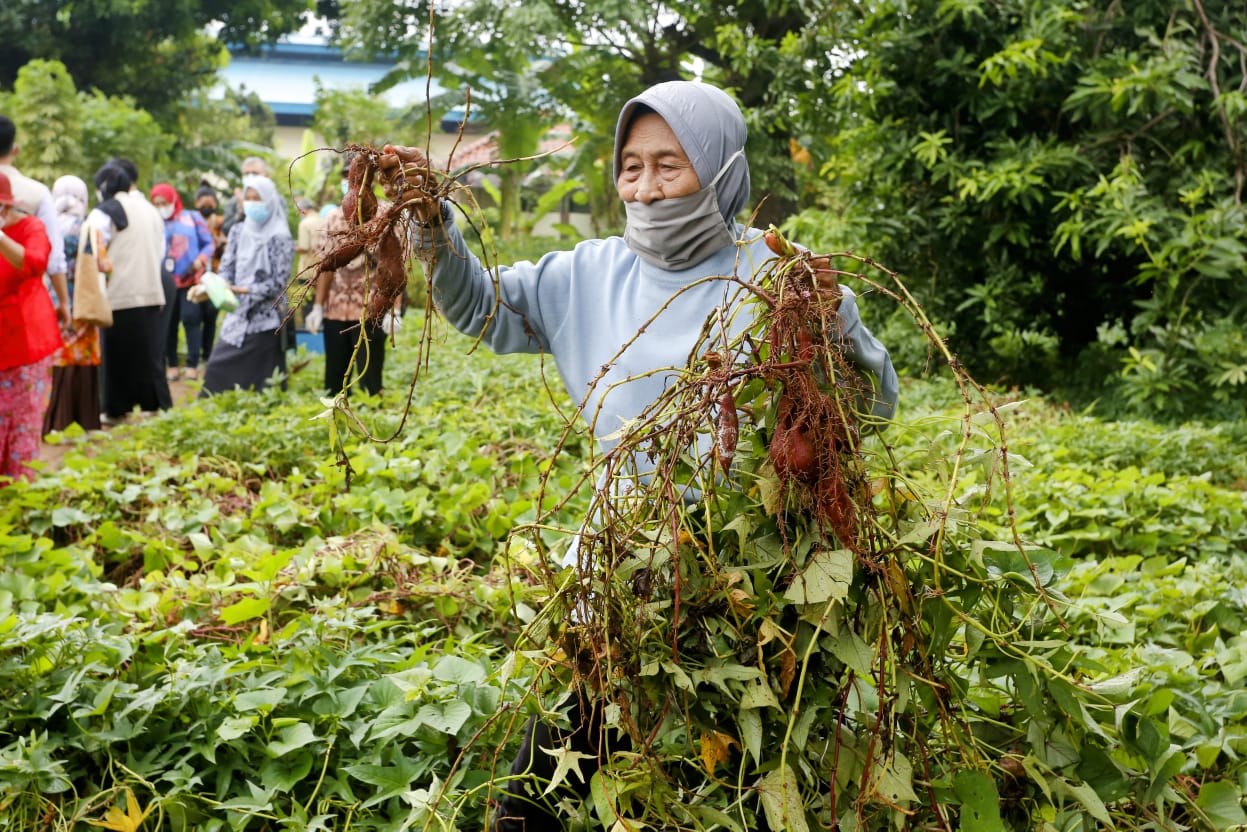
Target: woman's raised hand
x,y
408,180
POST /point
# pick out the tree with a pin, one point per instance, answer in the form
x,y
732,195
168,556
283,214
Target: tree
x,y
64,131
156,53
45,108
1062,184
215,134
346,116
498,53
342,117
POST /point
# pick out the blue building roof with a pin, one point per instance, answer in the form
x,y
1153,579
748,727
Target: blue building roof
x,y
285,77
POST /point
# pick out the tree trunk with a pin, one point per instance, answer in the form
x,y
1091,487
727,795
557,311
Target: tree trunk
x,y
510,207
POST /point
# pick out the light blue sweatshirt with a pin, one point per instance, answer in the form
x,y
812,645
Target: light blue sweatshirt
x,y
582,306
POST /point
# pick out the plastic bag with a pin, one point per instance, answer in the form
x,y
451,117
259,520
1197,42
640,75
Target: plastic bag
x,y
219,292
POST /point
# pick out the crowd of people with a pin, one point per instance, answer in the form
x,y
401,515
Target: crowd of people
x,y
68,356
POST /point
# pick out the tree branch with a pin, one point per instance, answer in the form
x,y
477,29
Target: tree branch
x,y
1240,175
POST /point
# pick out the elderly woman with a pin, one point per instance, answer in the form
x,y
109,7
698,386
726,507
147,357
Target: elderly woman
x,y
256,264
29,335
681,172
76,369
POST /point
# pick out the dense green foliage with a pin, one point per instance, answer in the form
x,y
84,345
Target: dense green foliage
x,y
155,54
1061,182
197,612
221,616
241,615
63,130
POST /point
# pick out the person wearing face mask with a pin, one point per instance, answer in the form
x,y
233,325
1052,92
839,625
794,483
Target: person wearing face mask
x,y
257,260
233,212
634,305
29,335
206,202
188,251
133,367
76,368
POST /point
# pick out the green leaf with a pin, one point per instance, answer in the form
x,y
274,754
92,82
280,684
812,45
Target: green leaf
x,y
112,537
1086,796
602,801
896,780
445,717
390,781
234,727
1223,803
68,516
244,610
286,771
980,803
758,694
458,670
856,654
290,738
262,699
781,800
826,577
749,721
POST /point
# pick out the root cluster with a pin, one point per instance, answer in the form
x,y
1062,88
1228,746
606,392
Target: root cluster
x,y
377,228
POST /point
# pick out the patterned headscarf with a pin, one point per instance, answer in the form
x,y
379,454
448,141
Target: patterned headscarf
x,y
253,237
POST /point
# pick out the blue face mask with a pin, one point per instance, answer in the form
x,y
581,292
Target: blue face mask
x,y
255,211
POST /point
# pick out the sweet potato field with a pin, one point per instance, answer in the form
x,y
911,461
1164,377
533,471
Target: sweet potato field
x,y
1038,624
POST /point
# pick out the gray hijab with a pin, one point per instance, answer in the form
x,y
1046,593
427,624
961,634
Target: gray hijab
x,y
710,128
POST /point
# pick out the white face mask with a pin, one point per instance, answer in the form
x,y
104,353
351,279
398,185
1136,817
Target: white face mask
x,y
679,233
166,211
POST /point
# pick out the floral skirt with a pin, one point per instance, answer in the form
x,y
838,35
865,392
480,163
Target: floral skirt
x,y
24,394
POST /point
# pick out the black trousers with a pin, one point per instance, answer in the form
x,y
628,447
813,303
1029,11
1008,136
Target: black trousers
x,y
171,310
522,808
190,316
340,337
133,368
209,332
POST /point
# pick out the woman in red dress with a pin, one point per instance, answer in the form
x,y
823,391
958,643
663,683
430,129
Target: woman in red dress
x,y
29,335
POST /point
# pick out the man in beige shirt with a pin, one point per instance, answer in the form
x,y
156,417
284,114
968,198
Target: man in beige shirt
x,y
311,232
306,246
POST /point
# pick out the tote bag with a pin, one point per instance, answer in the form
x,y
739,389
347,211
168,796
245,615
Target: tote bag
x,y
90,304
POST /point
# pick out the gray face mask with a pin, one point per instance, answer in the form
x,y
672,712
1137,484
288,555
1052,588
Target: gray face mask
x,y
679,233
